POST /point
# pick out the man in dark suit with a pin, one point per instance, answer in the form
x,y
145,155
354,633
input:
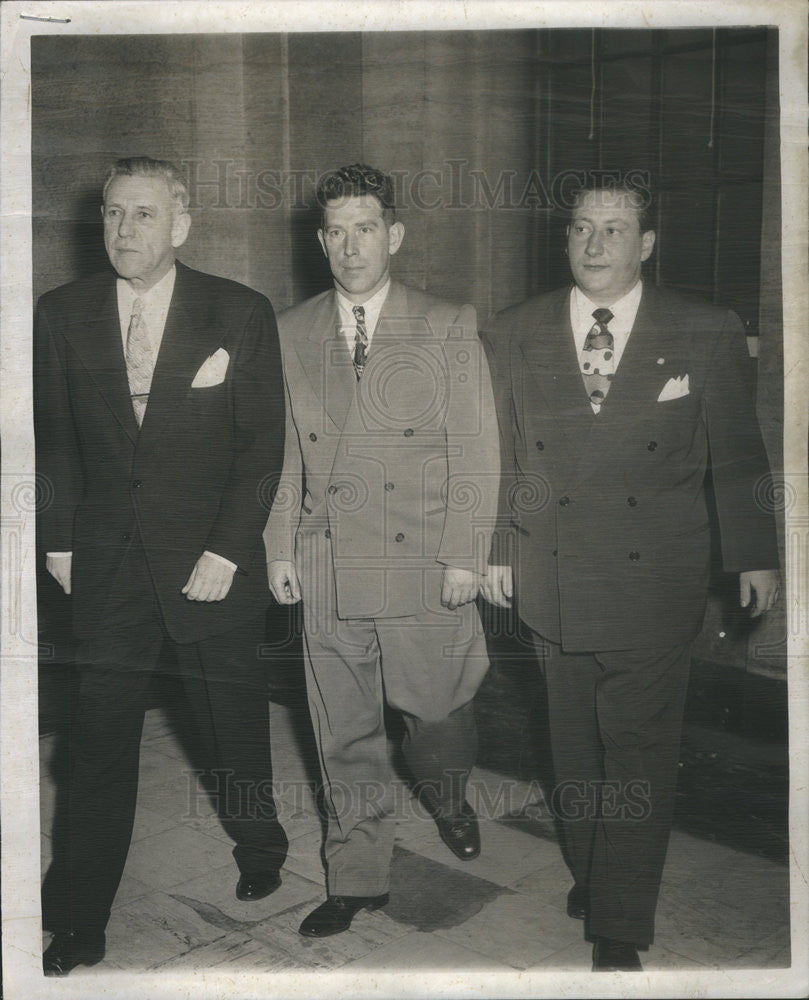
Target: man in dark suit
x,y
159,411
610,396
392,437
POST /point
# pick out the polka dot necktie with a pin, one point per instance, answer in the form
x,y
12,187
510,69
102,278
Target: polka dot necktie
x,y
360,342
598,358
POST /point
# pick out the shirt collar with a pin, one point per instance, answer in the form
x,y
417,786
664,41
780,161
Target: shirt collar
x,y
372,306
157,297
623,311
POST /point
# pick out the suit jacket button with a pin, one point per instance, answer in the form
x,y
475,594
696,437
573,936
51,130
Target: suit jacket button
x,y
564,501
136,485
634,556
327,533
388,487
313,436
408,432
332,490
127,537
400,537
652,445
632,501
540,446
554,552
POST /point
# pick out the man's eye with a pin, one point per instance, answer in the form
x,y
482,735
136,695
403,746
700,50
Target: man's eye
x,y
144,215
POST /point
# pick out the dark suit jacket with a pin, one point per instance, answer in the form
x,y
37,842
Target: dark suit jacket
x,y
192,479
401,468
609,511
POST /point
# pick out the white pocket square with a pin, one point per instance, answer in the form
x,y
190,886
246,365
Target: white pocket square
x,y
212,371
675,388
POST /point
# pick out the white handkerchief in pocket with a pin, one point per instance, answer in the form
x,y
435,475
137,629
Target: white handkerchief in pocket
x,y
675,388
212,371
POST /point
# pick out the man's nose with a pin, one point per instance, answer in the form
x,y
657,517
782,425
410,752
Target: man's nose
x,y
595,245
125,226
350,245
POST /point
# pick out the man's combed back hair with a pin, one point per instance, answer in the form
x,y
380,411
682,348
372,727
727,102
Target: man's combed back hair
x,y
637,187
145,166
354,181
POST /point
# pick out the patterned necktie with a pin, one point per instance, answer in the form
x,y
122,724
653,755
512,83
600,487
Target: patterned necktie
x,y
360,342
598,358
140,361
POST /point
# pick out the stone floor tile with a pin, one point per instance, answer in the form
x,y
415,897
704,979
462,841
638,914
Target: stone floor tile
x,y
516,930
234,952
148,823
426,952
575,957
175,856
150,930
305,859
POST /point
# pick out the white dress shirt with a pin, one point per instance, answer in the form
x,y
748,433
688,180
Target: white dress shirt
x,y
623,312
348,321
156,302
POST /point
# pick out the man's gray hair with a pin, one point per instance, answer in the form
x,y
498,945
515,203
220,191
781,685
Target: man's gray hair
x,y
145,166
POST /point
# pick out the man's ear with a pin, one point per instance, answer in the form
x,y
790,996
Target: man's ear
x,y
647,242
322,240
395,236
179,229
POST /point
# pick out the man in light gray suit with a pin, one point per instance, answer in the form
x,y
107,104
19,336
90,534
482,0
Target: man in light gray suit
x,y
382,525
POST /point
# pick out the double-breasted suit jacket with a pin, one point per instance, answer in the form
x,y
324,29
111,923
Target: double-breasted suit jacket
x,y
191,479
398,470
610,511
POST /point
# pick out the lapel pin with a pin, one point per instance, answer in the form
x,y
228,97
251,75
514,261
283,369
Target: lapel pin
x,y
661,361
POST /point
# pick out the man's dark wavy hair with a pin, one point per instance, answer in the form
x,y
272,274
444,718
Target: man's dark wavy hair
x,y
353,181
636,185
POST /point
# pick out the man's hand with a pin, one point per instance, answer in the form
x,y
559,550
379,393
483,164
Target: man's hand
x,y
210,580
60,568
459,587
284,583
498,586
759,590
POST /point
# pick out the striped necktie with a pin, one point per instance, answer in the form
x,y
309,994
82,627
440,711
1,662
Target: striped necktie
x,y
360,342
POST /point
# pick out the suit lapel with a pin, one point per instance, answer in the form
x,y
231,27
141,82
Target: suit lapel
x,y
326,361
189,338
97,341
549,354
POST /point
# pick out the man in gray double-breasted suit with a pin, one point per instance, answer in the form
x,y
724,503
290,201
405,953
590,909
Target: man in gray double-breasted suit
x,y
382,523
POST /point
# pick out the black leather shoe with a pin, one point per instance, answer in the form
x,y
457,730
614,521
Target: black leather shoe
x,y
257,885
71,948
461,833
615,956
578,902
336,914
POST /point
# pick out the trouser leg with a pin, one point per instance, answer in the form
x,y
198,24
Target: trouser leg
x,y
115,669
640,698
225,686
346,701
432,665
578,757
